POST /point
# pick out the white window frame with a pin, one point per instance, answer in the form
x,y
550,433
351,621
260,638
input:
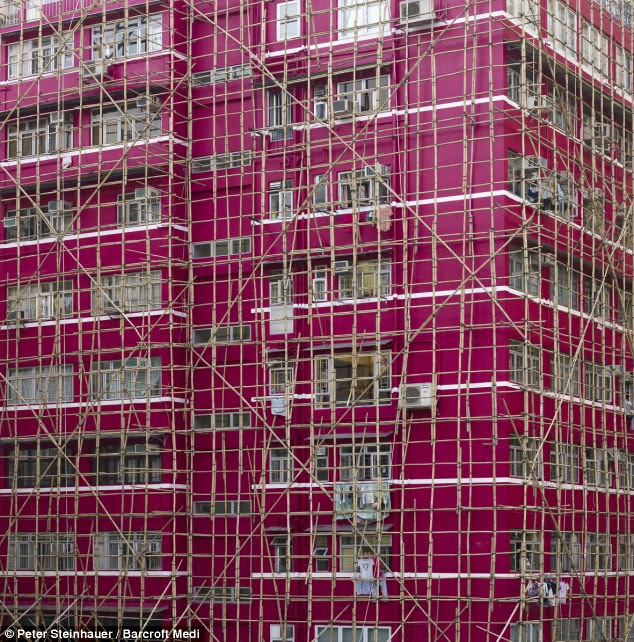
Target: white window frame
x,y
566,552
595,50
362,17
375,387
371,94
365,462
281,204
526,551
280,377
597,382
28,58
352,547
41,551
530,282
128,551
282,546
125,123
41,135
565,462
358,633
279,115
365,280
32,223
280,465
565,374
134,378
280,288
129,292
319,290
624,69
365,187
525,363
130,37
564,286
526,632
523,465
40,385
40,301
562,28
288,23
282,633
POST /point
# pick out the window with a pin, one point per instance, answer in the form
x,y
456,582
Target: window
x,y
562,28
365,462
564,286
626,553
525,280
526,632
320,106
321,464
523,87
222,334
320,553
40,385
280,288
597,468
626,470
624,300
362,18
526,457
282,554
131,551
220,74
564,370
598,552
624,69
40,300
280,466
567,630
43,468
596,299
280,376
220,249
366,94
353,633
566,553
31,223
221,162
626,630
231,594
139,207
41,552
525,363
47,134
364,280
353,380
288,20
598,629
564,463
233,507
353,547
127,292
222,421
279,115
281,199
320,191
133,378
129,37
563,116
39,56
598,382
320,286
126,122
282,633
133,464
365,187
526,551
594,214
595,49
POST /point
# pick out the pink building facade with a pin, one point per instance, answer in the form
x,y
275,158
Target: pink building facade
x,y
290,286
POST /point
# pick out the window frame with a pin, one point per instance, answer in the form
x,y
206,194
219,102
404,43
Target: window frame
x,y
283,21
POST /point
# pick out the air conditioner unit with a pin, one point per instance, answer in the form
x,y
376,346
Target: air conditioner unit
x,y
419,395
342,266
94,70
11,221
603,130
417,11
16,315
548,258
343,108
55,117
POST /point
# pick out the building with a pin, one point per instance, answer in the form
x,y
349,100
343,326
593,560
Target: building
x,y
317,318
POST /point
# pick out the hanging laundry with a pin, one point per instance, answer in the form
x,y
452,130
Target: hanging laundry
x,y
533,589
365,584
562,593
